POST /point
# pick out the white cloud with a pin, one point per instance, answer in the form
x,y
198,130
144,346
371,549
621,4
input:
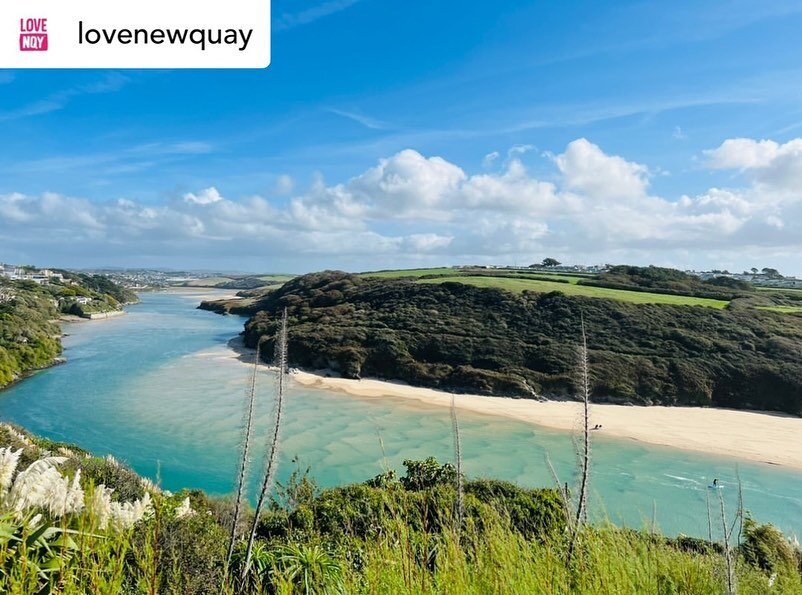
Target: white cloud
x,y
773,172
286,21
517,150
359,118
427,242
407,185
513,190
490,159
742,153
412,206
775,166
284,184
205,197
589,170
109,83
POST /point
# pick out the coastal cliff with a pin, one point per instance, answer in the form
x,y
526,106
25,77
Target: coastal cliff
x,y
457,337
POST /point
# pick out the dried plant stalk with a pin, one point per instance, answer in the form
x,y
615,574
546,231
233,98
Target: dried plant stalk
x,y
584,384
245,460
272,454
457,462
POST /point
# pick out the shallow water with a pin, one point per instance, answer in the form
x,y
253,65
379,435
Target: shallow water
x,y
158,388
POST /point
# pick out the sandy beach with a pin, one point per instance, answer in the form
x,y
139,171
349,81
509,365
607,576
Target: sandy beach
x,y
71,318
755,436
205,293
764,437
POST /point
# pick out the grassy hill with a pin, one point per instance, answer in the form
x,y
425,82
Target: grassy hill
x,y
455,336
573,288
639,285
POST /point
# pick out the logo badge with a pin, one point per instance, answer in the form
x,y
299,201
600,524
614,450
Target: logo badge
x,y
33,35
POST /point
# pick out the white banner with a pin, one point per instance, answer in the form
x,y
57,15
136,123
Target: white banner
x,y
134,34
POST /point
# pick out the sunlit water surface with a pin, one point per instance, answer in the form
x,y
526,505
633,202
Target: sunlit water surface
x,y
159,389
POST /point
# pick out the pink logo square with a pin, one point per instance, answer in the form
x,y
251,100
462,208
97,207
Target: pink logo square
x,y
33,35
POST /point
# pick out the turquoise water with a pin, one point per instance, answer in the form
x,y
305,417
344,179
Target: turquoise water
x,y
159,389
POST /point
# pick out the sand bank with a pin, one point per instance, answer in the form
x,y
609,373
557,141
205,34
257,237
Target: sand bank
x,y
755,436
92,317
764,437
205,294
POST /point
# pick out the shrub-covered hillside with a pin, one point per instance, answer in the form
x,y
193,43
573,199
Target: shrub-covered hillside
x,y
458,337
29,339
29,331
669,281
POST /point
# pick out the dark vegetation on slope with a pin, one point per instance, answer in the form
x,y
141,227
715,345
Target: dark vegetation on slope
x,y
29,333
654,279
28,336
245,304
458,337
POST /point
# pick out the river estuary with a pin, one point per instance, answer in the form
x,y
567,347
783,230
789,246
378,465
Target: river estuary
x,y
159,389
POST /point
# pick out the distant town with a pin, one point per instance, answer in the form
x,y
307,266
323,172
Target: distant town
x,y
29,273
129,278
137,279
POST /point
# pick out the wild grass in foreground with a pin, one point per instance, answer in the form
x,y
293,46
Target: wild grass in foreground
x,y
61,532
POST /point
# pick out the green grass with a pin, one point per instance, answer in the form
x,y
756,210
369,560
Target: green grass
x,y
635,297
395,274
410,273
782,309
523,280
168,556
498,561
276,279
572,279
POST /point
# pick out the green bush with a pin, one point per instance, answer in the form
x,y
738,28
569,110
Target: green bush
x,y
424,475
354,511
534,513
766,547
127,485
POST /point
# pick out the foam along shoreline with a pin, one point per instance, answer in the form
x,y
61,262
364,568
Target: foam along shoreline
x,y
764,437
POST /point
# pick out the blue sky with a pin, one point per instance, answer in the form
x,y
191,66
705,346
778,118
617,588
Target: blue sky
x,y
402,134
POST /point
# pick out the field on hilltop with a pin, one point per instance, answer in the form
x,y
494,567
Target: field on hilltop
x,y
396,273
682,290
573,288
